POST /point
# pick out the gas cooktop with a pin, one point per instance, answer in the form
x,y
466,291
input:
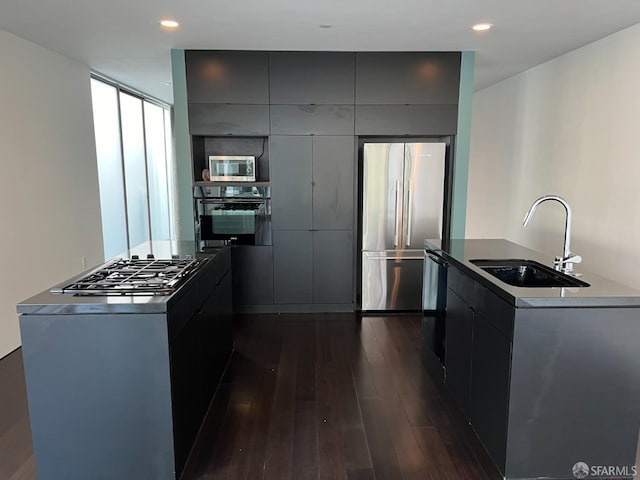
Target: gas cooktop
x,y
133,276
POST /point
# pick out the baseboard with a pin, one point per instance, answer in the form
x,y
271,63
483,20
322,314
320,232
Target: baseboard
x,y
296,308
11,352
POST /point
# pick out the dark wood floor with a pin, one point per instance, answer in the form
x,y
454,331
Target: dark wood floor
x,y
16,451
333,397
324,396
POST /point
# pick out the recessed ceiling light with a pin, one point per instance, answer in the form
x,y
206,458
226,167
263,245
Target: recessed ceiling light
x,y
169,23
325,25
482,27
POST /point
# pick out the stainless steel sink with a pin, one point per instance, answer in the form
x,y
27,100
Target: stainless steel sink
x,y
527,273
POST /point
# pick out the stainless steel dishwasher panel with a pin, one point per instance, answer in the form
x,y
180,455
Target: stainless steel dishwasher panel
x,y
434,292
434,303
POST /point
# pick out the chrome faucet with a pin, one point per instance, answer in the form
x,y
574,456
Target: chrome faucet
x,y
566,261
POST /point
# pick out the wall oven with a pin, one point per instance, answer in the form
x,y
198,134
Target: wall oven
x,y
232,168
232,214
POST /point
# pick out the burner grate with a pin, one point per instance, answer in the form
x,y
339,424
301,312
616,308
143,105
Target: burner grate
x,y
132,277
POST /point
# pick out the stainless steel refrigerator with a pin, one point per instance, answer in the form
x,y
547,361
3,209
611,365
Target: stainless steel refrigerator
x,y
402,204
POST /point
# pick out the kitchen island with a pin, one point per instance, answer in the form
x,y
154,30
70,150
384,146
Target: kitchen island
x,y
547,377
118,385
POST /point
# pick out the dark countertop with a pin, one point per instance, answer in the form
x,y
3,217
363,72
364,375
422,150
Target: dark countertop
x,y
602,292
47,303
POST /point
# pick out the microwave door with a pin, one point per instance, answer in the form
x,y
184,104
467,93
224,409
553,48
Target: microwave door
x,y
232,168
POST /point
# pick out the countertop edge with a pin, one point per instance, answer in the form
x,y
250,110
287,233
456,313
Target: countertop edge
x,y
510,294
144,304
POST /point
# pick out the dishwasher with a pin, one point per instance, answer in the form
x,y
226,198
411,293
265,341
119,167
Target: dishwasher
x,y
434,303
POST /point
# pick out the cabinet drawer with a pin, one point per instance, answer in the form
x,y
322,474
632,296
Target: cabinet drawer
x,y
497,312
214,272
467,288
184,309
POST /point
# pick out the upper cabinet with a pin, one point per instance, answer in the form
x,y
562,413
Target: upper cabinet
x,y
223,119
311,77
412,78
227,77
312,119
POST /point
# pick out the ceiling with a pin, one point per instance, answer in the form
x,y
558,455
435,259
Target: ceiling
x,y
122,38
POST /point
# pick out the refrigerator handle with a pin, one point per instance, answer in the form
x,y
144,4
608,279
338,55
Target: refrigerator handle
x,y
409,216
396,235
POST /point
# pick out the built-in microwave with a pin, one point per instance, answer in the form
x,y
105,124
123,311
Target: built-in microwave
x,y
232,168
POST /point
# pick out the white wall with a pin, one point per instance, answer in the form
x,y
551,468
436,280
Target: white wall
x,y
570,127
49,202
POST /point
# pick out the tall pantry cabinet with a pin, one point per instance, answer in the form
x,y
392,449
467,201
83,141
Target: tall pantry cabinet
x,y
311,110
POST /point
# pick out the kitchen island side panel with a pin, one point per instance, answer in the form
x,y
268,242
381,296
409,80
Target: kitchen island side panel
x,y
575,390
99,396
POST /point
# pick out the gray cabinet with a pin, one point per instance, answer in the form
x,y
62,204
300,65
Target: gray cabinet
x,y
312,212
312,119
333,185
398,78
313,267
227,77
292,266
199,354
489,395
406,119
478,359
310,107
311,77
312,182
253,275
333,266
291,176
458,348
219,119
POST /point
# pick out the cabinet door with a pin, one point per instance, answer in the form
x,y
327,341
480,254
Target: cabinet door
x,y
292,266
186,389
398,78
489,398
312,119
291,204
208,339
225,332
458,344
217,119
406,119
333,189
227,77
252,275
333,266
311,77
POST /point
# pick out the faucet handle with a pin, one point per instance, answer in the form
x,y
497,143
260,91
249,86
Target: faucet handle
x,y
566,264
571,258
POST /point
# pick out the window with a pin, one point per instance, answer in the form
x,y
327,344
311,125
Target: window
x,y
133,140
